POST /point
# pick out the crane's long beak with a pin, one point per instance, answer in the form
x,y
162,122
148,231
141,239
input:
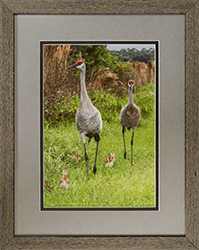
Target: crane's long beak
x,y
72,66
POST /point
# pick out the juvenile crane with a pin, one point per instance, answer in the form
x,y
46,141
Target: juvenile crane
x,y
64,181
88,118
109,161
130,116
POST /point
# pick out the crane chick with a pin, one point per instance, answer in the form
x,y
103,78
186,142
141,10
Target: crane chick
x,y
109,161
130,116
64,181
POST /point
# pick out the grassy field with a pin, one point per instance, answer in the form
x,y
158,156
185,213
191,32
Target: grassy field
x,y
122,185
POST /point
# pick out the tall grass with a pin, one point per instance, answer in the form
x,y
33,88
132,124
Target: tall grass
x,y
122,185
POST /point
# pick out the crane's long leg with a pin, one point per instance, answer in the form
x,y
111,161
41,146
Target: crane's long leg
x,y
132,149
97,138
123,130
86,158
85,154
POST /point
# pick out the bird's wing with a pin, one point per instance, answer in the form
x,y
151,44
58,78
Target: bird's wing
x,y
122,112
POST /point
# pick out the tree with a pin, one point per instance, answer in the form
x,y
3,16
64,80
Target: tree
x,y
95,56
135,55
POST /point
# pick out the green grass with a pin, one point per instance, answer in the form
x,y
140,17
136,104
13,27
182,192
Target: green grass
x,y
122,185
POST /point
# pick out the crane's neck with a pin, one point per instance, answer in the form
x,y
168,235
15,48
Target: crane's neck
x,y
130,101
84,94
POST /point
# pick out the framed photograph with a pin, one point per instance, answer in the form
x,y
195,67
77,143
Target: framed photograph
x,y
115,76
114,189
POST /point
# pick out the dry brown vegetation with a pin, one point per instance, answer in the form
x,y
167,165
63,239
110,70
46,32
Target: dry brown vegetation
x,y
57,82
141,73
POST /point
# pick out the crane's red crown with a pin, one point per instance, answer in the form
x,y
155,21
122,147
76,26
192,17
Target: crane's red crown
x,y
131,81
79,62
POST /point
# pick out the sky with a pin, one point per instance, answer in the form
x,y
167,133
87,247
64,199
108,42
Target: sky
x,y
126,46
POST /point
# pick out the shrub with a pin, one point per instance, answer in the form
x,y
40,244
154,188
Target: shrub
x,y
145,99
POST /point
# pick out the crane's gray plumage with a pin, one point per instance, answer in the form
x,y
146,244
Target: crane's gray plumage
x,y
130,116
88,118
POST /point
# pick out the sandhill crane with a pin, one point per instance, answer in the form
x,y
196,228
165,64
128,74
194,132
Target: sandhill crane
x,y
130,116
88,118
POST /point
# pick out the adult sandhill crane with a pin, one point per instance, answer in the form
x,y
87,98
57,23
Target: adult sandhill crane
x,y
130,116
88,118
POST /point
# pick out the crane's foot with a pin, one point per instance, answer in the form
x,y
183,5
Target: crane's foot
x,y
94,170
124,155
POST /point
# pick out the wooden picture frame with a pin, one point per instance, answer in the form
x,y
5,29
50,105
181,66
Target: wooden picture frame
x,y
9,8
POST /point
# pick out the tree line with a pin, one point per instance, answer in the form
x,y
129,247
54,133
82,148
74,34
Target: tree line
x,y
133,55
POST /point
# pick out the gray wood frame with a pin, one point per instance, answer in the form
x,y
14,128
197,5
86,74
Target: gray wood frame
x,y
11,7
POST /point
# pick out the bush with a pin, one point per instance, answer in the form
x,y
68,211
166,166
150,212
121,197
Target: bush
x,y
95,57
108,104
145,99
